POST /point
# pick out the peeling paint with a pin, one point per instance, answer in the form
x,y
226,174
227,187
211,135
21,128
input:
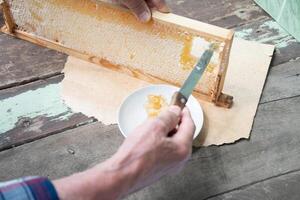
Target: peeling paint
x,y
269,32
244,34
282,39
44,101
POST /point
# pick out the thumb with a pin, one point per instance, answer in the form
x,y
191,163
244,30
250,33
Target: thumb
x,y
169,119
139,8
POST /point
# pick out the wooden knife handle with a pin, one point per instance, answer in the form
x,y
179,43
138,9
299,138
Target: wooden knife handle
x,y
179,100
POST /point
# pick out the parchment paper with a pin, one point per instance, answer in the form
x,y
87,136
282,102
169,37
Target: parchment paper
x,y
96,91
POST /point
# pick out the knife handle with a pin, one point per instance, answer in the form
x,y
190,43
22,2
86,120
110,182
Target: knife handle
x,y
179,100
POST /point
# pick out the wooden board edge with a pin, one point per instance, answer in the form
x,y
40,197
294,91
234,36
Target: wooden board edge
x,y
220,98
194,26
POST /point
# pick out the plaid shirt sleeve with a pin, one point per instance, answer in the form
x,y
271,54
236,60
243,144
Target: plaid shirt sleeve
x,y
28,188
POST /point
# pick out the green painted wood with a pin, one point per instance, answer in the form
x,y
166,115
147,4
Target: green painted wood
x,y
33,111
273,7
290,18
285,12
25,79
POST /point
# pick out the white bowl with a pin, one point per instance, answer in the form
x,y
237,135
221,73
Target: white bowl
x,y
132,111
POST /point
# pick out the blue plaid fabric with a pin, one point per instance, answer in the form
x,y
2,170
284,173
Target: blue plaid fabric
x,y
28,188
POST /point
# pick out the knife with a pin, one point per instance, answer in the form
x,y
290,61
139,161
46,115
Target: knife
x,y
181,97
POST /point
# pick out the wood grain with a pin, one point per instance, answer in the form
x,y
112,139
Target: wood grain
x,y
272,150
22,62
283,82
33,124
269,32
224,13
64,153
277,188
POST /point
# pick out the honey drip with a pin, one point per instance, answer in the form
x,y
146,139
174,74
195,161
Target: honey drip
x,y
187,60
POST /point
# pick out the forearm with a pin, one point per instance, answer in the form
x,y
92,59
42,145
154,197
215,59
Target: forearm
x,y
111,179
144,157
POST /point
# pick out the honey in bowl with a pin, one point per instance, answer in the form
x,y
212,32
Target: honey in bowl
x,y
155,104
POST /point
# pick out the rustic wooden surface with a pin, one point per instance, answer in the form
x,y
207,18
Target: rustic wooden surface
x,y
21,62
58,142
268,31
41,125
281,187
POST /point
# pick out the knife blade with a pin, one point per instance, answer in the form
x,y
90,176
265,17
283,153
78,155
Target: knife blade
x,y
181,97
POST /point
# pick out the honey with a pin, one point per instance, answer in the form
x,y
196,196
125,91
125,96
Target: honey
x,y
36,16
210,68
155,105
187,61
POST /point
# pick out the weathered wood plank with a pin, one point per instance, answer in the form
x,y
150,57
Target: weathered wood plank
x,y
22,62
283,82
277,188
224,13
34,111
268,31
272,150
64,153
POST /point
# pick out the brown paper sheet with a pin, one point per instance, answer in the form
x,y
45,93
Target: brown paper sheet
x,y
98,92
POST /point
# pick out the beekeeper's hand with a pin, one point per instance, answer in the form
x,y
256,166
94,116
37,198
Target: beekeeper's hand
x,y
142,8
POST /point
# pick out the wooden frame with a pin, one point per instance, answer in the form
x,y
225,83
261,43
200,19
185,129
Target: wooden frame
x,y
9,23
173,24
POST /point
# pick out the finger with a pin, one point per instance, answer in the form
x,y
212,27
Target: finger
x,y
160,5
139,8
169,119
186,129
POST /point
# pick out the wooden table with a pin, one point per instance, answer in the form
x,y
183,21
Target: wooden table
x,y
42,136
